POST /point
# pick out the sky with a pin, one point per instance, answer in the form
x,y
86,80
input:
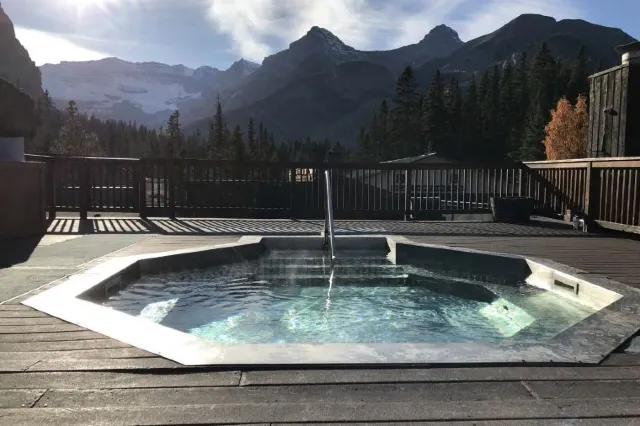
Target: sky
x,y
219,32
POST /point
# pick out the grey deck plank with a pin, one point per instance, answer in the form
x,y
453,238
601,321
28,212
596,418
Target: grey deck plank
x,y
17,398
7,307
31,313
62,345
30,321
116,380
255,413
332,394
107,353
15,365
63,336
622,359
114,364
477,374
586,389
46,328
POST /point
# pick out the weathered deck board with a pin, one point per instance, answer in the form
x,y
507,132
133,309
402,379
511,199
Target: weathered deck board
x,y
622,359
64,345
116,380
22,314
30,321
62,336
478,374
46,328
17,398
291,412
81,354
115,364
291,394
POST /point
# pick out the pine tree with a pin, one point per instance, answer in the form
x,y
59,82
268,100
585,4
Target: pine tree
x,y
364,145
470,121
383,148
237,144
579,80
544,74
490,138
251,141
405,115
521,105
174,138
507,119
453,110
73,139
434,118
215,141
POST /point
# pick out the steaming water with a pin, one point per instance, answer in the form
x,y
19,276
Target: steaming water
x,y
294,297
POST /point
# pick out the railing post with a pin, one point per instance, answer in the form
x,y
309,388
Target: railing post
x,y
592,193
407,213
172,187
51,187
85,188
292,180
141,188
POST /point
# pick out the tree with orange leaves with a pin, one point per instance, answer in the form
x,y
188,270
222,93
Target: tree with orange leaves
x,y
566,133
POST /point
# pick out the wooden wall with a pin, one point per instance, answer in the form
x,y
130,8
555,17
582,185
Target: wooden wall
x,y
615,135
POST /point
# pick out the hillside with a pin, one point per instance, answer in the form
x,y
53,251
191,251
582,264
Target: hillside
x,y
16,66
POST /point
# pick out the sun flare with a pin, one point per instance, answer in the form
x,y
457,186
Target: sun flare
x,y
82,6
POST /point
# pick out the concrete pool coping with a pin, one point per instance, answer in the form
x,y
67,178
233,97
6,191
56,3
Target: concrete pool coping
x,y
589,341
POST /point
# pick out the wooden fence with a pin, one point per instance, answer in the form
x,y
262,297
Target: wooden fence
x,y
605,191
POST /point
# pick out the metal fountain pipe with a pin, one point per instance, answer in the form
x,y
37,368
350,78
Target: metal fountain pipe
x,y
328,223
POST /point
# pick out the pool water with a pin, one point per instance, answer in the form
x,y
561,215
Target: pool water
x,y
296,297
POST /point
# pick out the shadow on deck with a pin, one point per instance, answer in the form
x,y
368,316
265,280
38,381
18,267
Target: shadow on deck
x,y
163,226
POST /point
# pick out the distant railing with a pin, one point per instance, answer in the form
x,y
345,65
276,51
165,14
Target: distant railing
x,y
603,190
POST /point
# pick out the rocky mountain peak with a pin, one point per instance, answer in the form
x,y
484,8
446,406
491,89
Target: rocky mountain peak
x,y
442,32
243,67
16,65
321,40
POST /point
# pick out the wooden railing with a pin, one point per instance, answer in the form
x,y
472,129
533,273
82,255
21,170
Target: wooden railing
x,y
205,188
604,190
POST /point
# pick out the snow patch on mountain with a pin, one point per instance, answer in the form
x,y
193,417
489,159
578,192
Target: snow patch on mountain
x,y
152,87
105,86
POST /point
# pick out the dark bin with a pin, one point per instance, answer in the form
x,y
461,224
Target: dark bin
x,y
511,209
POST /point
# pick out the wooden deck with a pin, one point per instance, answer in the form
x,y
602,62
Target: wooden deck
x,y
56,373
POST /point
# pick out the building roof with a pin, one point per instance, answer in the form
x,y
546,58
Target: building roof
x,y
419,158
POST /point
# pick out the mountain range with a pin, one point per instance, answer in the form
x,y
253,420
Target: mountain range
x,y
146,92
318,87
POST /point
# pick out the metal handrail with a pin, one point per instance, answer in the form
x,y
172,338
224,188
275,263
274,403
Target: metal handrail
x,y
328,222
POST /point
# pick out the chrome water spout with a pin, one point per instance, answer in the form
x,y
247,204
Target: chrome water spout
x,y
328,223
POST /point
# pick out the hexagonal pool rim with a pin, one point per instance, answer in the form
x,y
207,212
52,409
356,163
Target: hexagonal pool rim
x,y
589,341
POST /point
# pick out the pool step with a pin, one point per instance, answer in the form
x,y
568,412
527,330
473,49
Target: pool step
x,y
315,260
339,280
351,269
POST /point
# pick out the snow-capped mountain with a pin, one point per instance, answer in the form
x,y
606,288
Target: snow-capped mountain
x,y
145,92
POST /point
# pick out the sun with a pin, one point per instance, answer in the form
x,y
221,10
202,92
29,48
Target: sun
x,y
82,6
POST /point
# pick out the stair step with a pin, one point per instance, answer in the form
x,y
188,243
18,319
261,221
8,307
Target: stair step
x,y
308,260
307,276
367,270
340,281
